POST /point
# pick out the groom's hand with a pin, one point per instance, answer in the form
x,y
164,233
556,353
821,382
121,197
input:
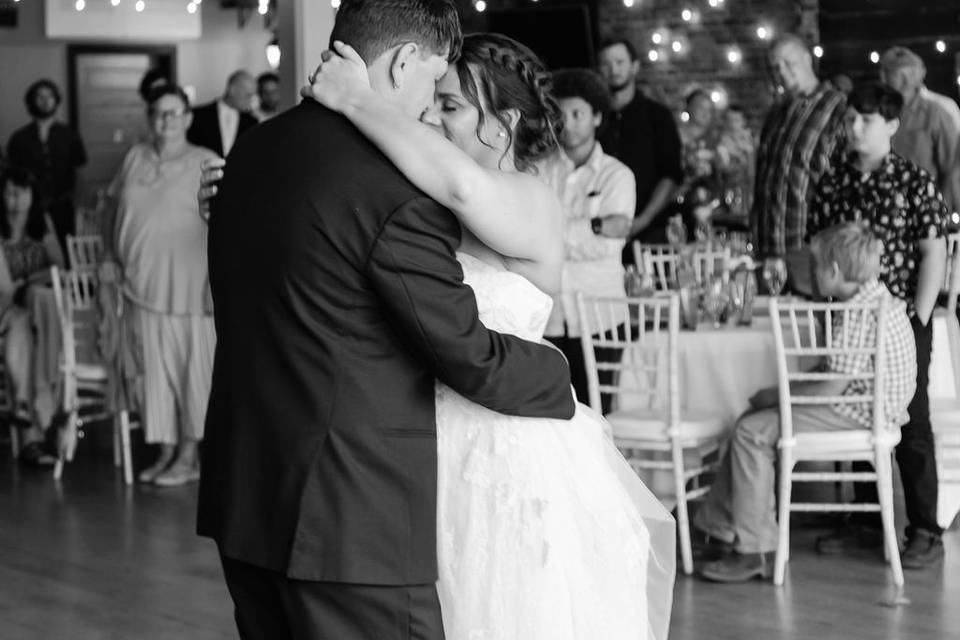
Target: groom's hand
x,y
211,172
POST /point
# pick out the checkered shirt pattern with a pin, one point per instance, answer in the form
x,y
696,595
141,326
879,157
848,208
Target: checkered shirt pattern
x,y
798,142
900,351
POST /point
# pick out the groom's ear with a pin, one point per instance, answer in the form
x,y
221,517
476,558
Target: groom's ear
x,y
402,57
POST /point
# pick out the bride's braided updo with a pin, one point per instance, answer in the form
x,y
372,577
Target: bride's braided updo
x,y
498,73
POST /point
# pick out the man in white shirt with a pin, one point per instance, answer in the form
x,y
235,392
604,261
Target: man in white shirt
x,y
217,125
598,194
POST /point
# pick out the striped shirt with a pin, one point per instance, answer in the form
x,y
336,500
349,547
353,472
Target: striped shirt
x,y
797,145
900,352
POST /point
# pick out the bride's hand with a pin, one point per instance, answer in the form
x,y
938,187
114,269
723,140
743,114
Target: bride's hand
x,y
340,77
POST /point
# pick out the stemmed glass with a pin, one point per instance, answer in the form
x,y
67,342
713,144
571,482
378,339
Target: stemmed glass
x,y
774,275
715,300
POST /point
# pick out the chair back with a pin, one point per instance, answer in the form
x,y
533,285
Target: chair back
x,y
662,265
75,293
85,252
799,343
649,366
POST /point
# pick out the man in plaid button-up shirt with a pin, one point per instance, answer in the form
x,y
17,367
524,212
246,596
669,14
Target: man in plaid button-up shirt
x,y
797,144
740,508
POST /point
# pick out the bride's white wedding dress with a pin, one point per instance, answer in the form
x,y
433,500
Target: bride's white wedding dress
x,y
544,532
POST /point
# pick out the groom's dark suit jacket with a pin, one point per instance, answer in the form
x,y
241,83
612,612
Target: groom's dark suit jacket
x,y
338,302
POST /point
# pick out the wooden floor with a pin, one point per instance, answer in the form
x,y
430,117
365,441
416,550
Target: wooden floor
x,y
91,558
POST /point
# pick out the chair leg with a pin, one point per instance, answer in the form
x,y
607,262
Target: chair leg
x,y
783,520
14,442
884,469
125,444
117,445
683,517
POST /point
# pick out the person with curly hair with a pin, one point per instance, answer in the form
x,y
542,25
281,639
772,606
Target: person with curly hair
x,y
598,196
535,515
53,152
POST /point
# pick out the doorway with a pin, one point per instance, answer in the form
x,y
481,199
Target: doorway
x,y
105,104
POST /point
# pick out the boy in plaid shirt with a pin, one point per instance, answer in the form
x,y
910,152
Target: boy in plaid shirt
x,y
740,508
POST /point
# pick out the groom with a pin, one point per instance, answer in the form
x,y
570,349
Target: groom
x,y
339,302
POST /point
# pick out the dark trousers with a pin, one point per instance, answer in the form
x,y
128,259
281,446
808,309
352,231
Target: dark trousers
x,y
573,350
63,216
915,453
270,606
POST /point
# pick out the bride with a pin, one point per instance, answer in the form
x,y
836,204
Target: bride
x,y
544,532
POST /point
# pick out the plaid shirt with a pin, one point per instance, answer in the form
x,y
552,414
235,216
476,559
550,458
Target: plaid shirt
x,y
797,144
900,374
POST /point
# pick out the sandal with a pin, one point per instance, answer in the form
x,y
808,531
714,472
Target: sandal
x,y
37,454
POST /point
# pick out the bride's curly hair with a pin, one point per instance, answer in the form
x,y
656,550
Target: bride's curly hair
x,y
508,75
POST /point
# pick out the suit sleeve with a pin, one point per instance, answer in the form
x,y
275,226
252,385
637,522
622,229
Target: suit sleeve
x,y
413,268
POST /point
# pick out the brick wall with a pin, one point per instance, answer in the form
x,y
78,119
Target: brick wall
x,y
705,42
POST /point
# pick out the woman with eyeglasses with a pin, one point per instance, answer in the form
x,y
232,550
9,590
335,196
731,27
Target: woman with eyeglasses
x,y
159,245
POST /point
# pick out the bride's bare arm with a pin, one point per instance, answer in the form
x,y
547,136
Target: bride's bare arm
x,y
515,214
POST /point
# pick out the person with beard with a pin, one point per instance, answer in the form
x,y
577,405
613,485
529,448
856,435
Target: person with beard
x,y
268,92
642,134
52,152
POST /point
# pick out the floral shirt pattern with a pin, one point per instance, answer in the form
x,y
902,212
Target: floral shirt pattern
x,y
903,206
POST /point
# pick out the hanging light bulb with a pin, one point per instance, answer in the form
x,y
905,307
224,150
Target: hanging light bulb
x,y
657,37
480,6
191,8
80,5
262,9
941,46
687,15
818,51
140,6
273,53
653,55
335,4
734,56
764,32
874,57
628,3
115,3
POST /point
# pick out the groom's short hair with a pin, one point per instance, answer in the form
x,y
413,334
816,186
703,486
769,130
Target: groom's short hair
x,y
375,26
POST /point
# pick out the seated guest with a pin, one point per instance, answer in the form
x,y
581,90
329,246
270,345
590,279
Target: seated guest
x,y
598,194
904,208
740,508
27,250
159,243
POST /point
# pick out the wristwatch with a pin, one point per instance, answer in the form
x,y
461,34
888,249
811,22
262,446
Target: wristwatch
x,y
596,225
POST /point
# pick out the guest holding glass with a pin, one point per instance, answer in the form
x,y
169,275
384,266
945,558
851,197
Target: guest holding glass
x,y
27,250
905,209
159,242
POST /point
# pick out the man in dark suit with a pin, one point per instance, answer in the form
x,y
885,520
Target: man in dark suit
x,y
219,124
338,303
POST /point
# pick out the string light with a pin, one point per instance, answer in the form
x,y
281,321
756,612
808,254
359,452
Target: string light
x,y
684,116
262,9
140,6
80,4
687,15
716,4
657,37
335,4
715,96
480,6
677,46
764,32
653,55
734,56
941,46
874,57
628,3
818,51
191,8
115,3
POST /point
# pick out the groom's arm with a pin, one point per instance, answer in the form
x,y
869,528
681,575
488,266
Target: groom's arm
x,y
413,267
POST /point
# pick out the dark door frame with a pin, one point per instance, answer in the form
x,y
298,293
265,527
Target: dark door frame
x,y
74,50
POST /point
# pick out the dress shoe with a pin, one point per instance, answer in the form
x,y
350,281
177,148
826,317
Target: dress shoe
x,y
740,567
707,547
177,475
924,549
850,537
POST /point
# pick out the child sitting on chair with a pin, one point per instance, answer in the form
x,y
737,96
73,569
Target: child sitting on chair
x,y
740,508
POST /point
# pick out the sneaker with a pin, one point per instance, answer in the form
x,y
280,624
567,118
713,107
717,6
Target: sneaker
x,y
740,567
850,537
924,549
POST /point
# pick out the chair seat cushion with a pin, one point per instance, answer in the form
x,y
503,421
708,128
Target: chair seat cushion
x,y
95,372
823,444
640,424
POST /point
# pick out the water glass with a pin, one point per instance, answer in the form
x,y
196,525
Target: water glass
x,y
774,275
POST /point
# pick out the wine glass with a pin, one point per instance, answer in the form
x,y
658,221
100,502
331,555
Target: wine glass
x,y
774,275
715,300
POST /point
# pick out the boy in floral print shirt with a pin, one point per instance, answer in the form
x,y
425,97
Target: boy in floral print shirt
x,y
906,211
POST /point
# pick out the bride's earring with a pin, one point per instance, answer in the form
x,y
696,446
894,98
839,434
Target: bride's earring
x,y
501,133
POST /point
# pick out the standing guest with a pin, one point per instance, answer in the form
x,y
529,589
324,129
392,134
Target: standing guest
x,y
797,143
740,508
152,80
28,247
598,194
52,152
737,154
268,93
928,134
217,125
643,135
906,211
160,246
